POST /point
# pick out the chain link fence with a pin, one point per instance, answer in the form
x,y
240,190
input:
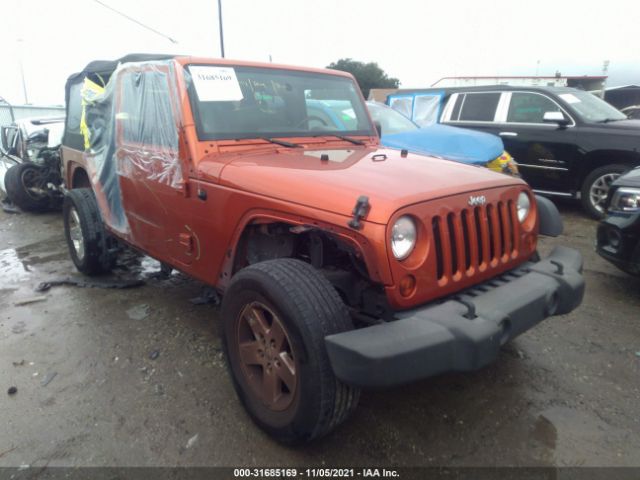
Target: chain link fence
x,y
10,113
6,113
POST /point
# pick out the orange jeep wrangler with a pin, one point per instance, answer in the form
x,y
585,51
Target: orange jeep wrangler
x,y
342,265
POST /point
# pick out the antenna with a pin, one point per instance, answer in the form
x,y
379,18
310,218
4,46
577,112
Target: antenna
x,y
220,28
136,21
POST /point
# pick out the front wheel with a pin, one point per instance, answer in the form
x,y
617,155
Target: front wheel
x,y
275,316
595,188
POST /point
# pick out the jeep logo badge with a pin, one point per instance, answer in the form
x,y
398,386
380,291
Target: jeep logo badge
x,y
475,201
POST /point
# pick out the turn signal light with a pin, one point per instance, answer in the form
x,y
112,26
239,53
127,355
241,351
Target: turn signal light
x,y
407,285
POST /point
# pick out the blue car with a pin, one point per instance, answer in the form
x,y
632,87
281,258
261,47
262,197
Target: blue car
x,y
452,143
397,131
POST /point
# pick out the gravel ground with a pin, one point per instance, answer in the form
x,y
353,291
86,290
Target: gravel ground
x,y
109,377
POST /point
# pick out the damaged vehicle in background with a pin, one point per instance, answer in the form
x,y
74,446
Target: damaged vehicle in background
x,y
342,264
30,166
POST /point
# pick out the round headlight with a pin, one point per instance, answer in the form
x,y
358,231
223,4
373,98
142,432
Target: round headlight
x,y
524,206
403,237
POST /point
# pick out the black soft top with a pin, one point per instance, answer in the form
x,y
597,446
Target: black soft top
x,y
105,68
108,66
99,71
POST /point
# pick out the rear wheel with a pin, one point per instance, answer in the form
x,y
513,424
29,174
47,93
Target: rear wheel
x,y
596,188
26,184
86,237
275,315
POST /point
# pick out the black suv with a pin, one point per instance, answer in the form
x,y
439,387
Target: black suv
x,y
619,233
567,142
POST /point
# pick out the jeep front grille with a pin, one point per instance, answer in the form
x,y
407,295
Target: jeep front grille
x,y
474,240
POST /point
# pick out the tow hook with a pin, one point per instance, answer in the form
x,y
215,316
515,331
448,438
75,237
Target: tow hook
x,y
559,267
359,212
471,308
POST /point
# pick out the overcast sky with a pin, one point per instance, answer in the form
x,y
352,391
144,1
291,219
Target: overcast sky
x,y
415,41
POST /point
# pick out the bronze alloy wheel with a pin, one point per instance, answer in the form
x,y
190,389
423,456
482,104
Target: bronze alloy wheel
x,y
266,358
275,317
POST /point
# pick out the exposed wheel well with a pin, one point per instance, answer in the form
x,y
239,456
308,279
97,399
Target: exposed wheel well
x,y
80,179
337,260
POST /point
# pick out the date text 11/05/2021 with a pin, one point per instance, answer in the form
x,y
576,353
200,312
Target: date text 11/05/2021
x,y
315,473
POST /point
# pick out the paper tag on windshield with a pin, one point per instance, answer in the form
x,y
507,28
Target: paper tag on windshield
x,y
569,98
216,84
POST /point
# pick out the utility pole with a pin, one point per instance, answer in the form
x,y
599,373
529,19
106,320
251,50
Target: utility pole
x,y
220,28
24,84
605,73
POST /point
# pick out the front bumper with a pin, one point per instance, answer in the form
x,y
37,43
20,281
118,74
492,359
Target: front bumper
x,y
463,333
619,241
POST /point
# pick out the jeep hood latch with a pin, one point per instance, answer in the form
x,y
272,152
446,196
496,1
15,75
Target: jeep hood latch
x,y
359,212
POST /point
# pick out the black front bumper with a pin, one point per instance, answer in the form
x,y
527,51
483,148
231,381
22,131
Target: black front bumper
x,y
461,334
619,241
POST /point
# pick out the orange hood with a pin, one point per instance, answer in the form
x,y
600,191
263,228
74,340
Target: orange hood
x,y
390,181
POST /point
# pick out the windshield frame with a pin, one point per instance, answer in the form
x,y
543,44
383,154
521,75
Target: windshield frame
x,y
581,95
203,135
386,110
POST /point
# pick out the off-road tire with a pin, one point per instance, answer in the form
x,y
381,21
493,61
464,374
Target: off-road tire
x,y
14,181
585,193
310,309
96,257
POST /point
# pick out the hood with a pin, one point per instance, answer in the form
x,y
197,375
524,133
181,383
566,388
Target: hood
x,y
630,179
632,125
390,181
453,143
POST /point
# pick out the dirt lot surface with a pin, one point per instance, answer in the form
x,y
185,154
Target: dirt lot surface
x,y
110,377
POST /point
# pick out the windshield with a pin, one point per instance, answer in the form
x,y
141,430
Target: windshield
x,y
591,108
390,120
252,102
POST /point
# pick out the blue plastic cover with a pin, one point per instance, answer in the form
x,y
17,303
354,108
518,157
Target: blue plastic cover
x,y
453,143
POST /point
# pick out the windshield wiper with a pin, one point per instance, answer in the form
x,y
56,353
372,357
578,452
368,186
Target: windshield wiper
x,y
355,141
281,142
607,120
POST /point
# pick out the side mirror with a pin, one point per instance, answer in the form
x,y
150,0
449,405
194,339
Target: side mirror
x,y
378,126
556,117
